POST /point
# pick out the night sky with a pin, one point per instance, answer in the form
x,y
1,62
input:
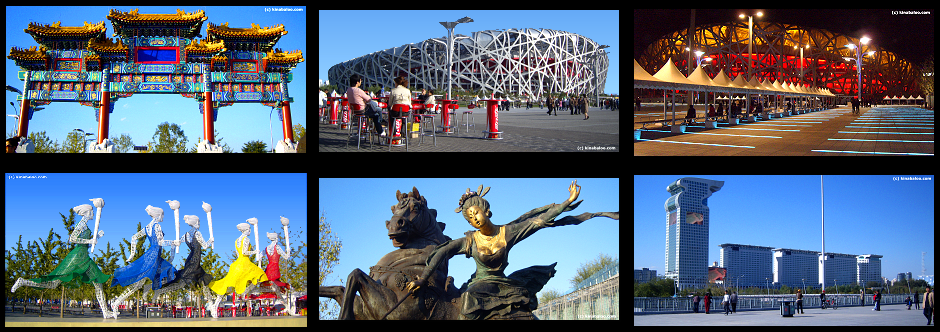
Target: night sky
x,y
910,36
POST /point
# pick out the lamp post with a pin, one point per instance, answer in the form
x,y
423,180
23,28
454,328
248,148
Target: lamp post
x,y
858,61
593,62
450,49
801,62
750,43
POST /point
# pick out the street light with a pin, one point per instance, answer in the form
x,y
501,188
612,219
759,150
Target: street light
x,y
858,61
593,62
750,43
450,49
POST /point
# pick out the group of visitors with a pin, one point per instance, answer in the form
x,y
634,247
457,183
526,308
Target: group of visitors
x,y
400,95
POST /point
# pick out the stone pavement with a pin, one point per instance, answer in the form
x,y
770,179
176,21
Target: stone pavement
x,y
884,130
895,314
523,131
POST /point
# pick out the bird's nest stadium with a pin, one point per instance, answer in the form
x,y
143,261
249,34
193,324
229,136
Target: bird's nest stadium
x,y
775,57
525,62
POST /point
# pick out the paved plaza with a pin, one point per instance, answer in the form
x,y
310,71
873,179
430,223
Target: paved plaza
x,y
16,318
883,130
892,315
523,131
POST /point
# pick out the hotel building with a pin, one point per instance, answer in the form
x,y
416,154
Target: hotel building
x,y
747,265
687,222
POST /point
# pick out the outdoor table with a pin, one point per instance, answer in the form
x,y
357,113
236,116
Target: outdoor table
x,y
334,108
445,118
492,117
343,124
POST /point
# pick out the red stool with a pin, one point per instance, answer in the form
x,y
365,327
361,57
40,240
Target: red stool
x,y
417,117
395,125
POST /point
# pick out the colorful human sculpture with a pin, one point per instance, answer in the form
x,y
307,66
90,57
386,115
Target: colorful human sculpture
x,y
274,285
243,270
490,294
192,272
150,266
77,267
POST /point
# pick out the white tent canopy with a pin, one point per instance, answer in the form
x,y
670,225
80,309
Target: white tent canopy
x,y
669,77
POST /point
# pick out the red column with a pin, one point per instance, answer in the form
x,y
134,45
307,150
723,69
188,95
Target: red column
x,y
334,109
24,118
24,108
103,116
492,112
208,127
445,118
286,123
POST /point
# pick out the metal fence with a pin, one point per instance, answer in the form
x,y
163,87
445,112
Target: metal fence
x,y
600,301
756,302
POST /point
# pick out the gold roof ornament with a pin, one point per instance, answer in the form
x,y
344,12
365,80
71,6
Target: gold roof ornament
x,y
206,46
27,54
92,57
107,45
57,28
135,16
254,31
279,56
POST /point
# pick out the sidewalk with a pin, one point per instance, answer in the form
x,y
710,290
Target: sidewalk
x,y
524,131
896,314
884,130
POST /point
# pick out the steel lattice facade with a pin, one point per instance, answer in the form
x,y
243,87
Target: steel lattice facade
x,y
600,301
884,73
520,61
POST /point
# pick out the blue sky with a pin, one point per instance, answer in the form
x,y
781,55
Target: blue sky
x,y
376,31
358,208
864,215
33,205
139,115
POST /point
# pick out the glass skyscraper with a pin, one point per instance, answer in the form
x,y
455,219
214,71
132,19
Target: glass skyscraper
x,y
687,224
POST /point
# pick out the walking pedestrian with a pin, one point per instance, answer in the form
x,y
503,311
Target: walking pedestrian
x,y
584,106
928,305
726,302
877,301
734,302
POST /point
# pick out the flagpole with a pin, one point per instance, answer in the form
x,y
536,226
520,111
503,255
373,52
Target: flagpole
x,y
823,200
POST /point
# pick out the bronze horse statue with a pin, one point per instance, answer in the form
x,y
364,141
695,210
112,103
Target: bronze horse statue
x,y
413,229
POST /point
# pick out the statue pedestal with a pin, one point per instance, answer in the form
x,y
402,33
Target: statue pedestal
x,y
285,147
25,146
105,147
206,147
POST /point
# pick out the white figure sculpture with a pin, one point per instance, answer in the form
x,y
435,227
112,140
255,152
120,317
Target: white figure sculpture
x,y
77,265
150,266
192,272
274,284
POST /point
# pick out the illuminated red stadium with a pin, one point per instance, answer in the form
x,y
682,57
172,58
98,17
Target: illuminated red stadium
x,y
883,73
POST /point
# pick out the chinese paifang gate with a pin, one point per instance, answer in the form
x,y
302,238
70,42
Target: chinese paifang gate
x,y
155,53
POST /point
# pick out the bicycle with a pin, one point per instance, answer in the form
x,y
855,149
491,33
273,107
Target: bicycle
x,y
830,304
